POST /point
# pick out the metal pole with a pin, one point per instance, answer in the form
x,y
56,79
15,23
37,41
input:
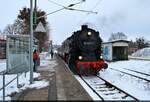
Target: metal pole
x,y
3,86
31,41
35,12
17,80
48,48
25,74
7,56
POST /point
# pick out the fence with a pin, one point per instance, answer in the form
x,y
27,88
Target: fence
x,y
17,58
4,73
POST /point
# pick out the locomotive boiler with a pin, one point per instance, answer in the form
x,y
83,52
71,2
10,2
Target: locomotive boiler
x,y
82,52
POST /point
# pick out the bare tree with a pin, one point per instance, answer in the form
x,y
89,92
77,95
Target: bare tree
x,y
19,26
9,29
118,36
23,21
24,18
141,42
16,28
0,32
112,37
43,39
46,38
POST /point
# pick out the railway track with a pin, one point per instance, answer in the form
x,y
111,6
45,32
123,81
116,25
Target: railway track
x,y
146,74
139,77
105,90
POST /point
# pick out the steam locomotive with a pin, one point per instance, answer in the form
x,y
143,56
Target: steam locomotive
x,y
82,52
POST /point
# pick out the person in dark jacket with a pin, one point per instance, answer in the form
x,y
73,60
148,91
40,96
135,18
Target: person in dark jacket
x,y
52,53
35,57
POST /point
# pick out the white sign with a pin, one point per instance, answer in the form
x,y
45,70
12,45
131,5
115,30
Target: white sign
x,y
40,28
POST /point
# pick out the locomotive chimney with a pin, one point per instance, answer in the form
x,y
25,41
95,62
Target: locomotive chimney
x,y
84,27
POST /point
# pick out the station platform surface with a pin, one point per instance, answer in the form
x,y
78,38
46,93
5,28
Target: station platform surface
x,y
62,85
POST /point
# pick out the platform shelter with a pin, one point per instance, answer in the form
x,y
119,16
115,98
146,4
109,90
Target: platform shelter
x,y
116,50
18,53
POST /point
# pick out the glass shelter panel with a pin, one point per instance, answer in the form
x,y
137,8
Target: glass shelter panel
x,y
17,53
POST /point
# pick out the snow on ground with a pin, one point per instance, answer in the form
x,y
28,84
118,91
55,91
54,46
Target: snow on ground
x,y
24,82
44,56
139,65
145,52
134,86
2,65
25,78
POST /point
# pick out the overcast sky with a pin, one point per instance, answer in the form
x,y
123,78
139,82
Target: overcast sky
x,y
129,16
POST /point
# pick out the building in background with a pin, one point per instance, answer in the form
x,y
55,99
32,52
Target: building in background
x,y
2,49
116,50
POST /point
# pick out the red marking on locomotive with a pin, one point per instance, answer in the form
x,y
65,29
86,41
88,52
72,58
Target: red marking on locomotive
x,y
97,65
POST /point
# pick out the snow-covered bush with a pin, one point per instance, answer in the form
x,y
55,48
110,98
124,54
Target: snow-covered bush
x,y
145,52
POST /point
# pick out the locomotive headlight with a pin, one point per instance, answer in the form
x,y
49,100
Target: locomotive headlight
x,y
101,57
80,57
89,33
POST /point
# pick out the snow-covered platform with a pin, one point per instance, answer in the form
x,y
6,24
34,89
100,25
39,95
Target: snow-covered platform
x,y
62,84
68,88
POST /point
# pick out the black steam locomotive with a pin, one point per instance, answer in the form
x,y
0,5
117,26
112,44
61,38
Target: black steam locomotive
x,y
82,52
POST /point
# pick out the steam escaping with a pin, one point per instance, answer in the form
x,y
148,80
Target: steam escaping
x,y
111,21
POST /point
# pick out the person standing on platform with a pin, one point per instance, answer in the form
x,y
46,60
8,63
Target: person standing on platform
x,y
52,53
35,57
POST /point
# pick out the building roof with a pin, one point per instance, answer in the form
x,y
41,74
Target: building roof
x,y
116,41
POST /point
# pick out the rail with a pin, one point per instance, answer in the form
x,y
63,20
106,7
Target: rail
x,y
130,74
137,71
109,87
5,85
137,100
92,89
